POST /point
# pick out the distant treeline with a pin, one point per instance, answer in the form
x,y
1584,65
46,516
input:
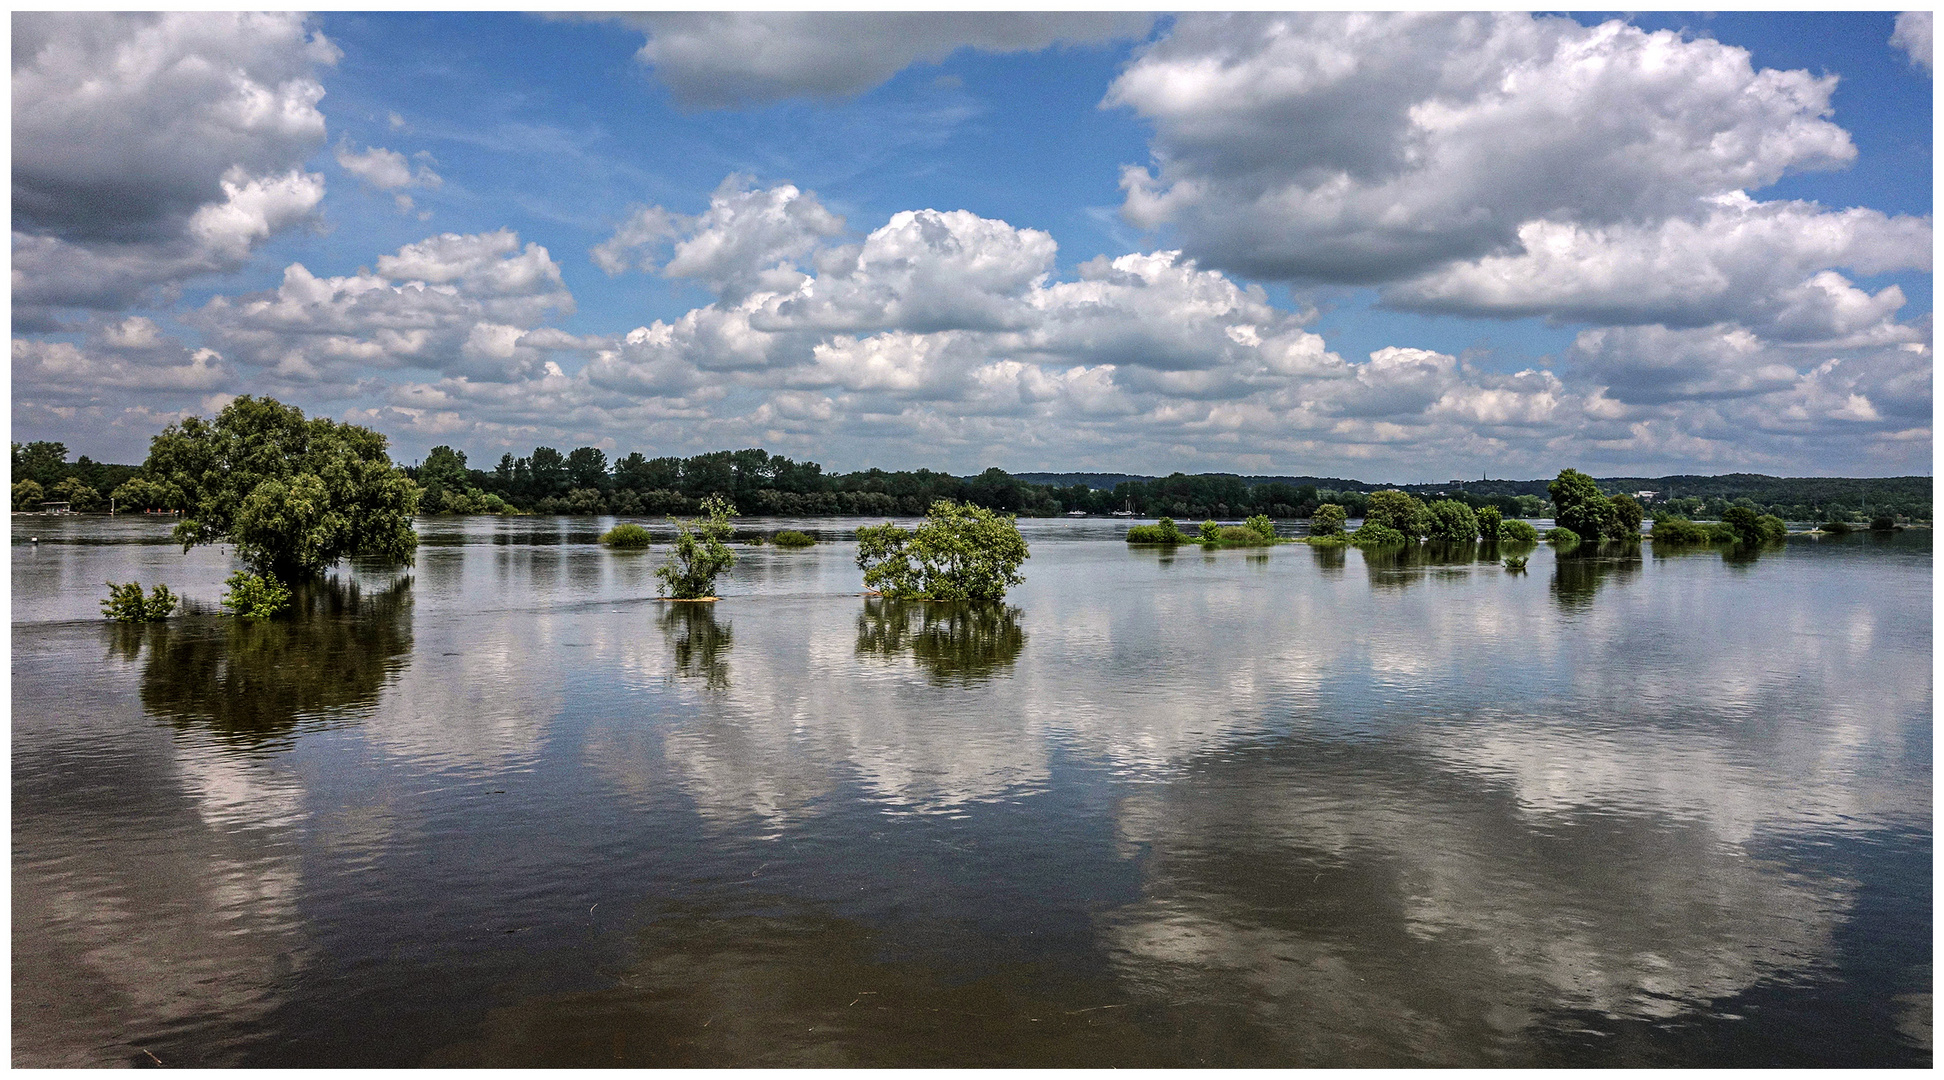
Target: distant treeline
x,y
585,481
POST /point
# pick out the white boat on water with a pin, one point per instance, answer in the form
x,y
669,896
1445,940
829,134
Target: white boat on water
x,y
1123,513
1076,513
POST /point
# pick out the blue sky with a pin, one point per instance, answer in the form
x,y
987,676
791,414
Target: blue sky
x,y
1390,248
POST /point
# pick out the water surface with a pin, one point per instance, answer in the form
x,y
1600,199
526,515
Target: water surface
x,y
1283,807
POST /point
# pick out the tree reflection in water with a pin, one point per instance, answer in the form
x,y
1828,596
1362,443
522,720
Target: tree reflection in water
x,y
256,682
1399,565
1331,558
699,640
954,643
1580,570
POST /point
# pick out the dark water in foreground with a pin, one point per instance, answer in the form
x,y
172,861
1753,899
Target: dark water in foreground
x,y
1286,808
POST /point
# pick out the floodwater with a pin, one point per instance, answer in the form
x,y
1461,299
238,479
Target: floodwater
x,y
1282,807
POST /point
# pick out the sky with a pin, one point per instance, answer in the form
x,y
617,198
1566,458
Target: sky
x,y
1398,248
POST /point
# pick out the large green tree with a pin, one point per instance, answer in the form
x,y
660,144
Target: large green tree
x,y
1579,506
294,495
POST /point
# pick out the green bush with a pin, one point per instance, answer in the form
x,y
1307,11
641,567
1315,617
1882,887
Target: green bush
x,y
1449,519
1747,526
27,495
1514,531
1261,526
1676,530
1163,533
254,596
1774,528
1560,534
1397,510
1515,562
1623,518
627,535
1836,528
961,552
1882,523
1489,520
791,538
699,553
1210,532
1327,520
126,604
1241,536
1376,533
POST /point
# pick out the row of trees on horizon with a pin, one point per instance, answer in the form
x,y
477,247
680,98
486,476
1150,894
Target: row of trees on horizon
x,y
585,481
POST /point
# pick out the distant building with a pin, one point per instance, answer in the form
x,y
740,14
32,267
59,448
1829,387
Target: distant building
x,y
1645,496
54,507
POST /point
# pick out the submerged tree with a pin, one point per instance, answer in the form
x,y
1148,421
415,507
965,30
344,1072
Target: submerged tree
x,y
293,495
961,552
699,553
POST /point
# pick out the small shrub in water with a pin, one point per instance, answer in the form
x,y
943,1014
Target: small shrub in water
x,y
1514,531
251,596
1241,536
1262,527
1162,533
1836,528
1676,530
1515,562
1883,523
629,535
1562,535
125,603
1210,532
790,538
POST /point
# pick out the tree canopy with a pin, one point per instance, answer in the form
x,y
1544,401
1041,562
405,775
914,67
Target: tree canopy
x,y
961,552
293,495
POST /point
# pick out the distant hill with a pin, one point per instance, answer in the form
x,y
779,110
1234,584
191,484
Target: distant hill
x,y
1107,481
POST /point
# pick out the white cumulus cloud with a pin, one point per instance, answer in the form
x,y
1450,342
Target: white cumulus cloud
x,y
149,148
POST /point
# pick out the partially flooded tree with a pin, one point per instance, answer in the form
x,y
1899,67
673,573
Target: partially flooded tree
x,y
961,552
699,553
293,495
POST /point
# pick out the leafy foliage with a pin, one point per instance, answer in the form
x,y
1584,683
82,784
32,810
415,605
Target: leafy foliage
x,y
125,603
1679,530
1210,532
1624,517
627,535
1560,534
1163,532
1514,531
255,596
1327,520
1489,520
700,553
1397,511
1450,519
1883,523
791,538
961,552
1377,534
294,495
1578,506
1262,527
27,495
1515,562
